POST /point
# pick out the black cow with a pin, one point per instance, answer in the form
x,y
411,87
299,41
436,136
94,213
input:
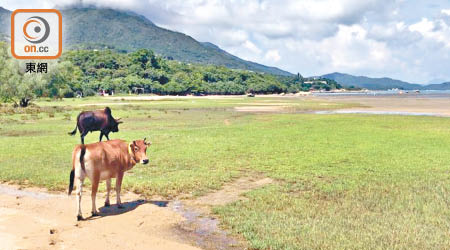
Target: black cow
x,y
98,120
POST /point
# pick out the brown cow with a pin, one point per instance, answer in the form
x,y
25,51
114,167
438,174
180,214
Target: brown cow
x,y
103,161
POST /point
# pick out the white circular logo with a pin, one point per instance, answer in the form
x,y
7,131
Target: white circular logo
x,y
36,29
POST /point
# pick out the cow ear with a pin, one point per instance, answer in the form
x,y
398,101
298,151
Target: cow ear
x,y
119,121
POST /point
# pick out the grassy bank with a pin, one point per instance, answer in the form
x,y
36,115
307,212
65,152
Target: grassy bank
x,y
341,181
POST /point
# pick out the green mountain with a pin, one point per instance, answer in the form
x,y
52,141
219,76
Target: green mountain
x,y
89,27
370,83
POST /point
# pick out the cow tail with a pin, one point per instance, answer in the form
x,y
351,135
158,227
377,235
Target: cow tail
x,y
72,173
76,126
74,131
82,153
72,177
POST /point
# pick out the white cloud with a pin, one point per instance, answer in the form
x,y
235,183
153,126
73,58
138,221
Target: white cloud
x,y
349,51
424,26
438,30
446,12
233,37
272,55
252,47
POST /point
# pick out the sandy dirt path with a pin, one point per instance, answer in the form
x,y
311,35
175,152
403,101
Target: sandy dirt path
x,y
35,220
171,97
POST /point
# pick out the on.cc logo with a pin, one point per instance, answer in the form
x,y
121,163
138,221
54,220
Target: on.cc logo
x,y
36,34
40,28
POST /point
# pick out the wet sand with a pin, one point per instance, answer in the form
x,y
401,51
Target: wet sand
x,y
438,105
32,218
38,220
431,105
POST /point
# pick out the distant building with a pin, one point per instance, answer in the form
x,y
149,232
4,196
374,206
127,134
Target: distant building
x,y
138,91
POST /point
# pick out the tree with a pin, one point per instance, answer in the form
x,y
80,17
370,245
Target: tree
x,y
63,80
89,71
174,88
142,57
15,85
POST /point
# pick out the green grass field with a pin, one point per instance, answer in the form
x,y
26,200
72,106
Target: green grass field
x,y
341,181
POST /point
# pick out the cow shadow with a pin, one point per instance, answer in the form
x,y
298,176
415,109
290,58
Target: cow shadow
x,y
126,207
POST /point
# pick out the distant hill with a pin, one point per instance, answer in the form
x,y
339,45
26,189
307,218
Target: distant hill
x,y
129,31
437,81
381,83
441,86
370,83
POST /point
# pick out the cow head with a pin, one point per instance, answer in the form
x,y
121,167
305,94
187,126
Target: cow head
x,y
115,125
139,150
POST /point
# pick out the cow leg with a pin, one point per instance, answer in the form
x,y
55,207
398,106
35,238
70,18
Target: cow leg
x,y
108,190
82,137
118,187
95,182
80,181
106,134
101,135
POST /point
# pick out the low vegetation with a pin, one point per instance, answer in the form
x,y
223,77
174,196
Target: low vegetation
x,y
340,181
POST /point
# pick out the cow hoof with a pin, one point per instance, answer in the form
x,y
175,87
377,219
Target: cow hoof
x,y
107,204
94,214
120,207
79,217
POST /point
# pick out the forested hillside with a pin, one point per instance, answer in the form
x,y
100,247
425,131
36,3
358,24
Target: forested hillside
x,y
88,71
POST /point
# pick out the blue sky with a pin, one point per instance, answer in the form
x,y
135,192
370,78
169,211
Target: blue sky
x,y
407,40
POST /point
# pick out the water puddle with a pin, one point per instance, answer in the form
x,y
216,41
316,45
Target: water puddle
x,y
369,112
202,230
